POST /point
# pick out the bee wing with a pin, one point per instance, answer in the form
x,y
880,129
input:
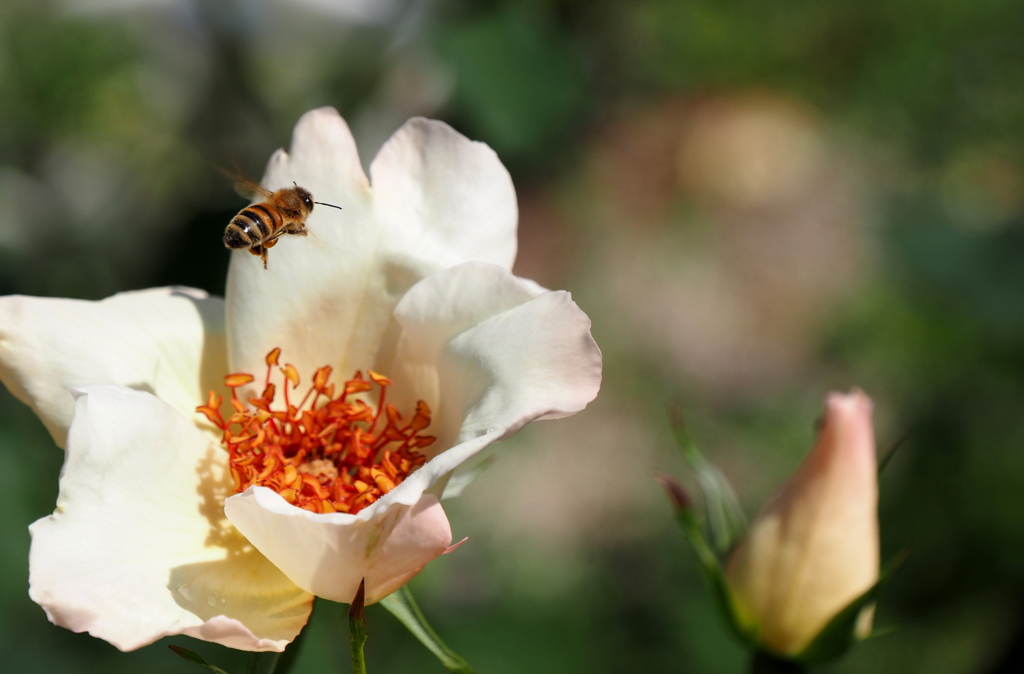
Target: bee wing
x,y
244,187
248,189
312,233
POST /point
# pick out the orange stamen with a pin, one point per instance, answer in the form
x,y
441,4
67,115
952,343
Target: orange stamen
x,y
236,380
326,454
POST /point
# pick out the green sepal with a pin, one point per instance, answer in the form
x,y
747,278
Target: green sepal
x,y
708,560
883,462
402,605
840,633
725,520
196,659
357,629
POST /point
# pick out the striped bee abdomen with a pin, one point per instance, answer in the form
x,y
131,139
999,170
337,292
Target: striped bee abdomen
x,y
253,225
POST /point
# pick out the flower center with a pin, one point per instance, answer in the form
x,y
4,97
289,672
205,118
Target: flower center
x,y
330,452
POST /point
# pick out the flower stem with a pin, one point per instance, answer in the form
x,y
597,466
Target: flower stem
x,y
762,663
357,630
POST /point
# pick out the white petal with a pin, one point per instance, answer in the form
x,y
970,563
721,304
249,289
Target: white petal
x,y
310,301
443,198
138,547
168,341
490,353
438,200
330,554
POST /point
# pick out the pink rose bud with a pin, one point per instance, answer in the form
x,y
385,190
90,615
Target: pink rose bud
x,y
814,547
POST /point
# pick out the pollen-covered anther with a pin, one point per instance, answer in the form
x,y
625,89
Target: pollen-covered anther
x,y
235,380
323,453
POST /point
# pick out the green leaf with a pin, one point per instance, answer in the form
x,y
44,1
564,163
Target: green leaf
x,y
196,659
725,518
518,80
840,633
263,663
403,606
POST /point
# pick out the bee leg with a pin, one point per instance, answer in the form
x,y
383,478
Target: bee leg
x,y
270,243
260,250
301,232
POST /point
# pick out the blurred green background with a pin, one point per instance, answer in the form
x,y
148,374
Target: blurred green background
x,y
756,202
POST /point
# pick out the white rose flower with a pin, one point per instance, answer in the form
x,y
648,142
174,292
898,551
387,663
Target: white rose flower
x,y
224,528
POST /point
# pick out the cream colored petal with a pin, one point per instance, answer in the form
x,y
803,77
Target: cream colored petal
x,y
319,291
138,547
438,200
168,341
814,547
489,353
443,199
330,554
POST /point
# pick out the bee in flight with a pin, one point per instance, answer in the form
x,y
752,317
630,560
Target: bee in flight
x,y
258,227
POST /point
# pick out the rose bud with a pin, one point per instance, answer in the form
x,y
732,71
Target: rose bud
x,y
814,547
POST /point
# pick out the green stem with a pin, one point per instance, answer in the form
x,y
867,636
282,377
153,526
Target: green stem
x,y
358,659
357,630
762,663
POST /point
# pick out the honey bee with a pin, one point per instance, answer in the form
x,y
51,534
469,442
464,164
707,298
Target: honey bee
x,y
258,227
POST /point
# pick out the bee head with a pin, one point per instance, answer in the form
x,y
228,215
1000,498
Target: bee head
x,y
306,197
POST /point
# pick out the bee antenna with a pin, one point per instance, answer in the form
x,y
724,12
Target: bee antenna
x,y
331,205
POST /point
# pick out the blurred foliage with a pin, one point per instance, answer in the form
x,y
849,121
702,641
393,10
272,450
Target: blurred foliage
x,y
111,114
520,83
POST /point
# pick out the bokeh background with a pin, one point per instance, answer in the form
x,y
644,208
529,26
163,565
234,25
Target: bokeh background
x,y
756,202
